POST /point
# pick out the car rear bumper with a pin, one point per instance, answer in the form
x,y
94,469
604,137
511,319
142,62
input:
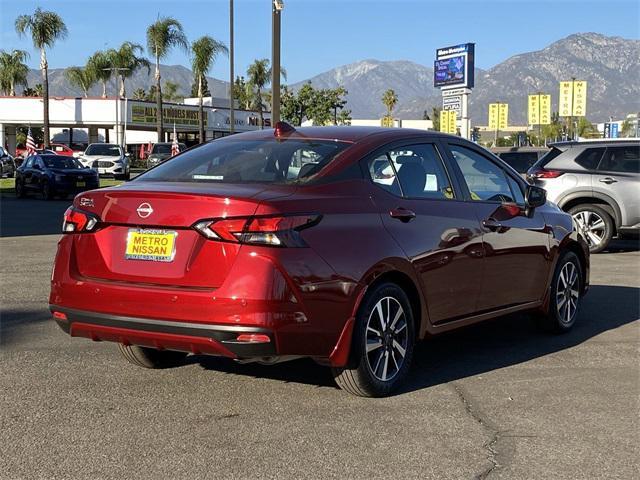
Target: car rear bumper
x,y
191,337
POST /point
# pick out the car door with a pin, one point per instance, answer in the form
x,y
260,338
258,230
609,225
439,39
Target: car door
x,y
420,206
27,173
618,176
516,243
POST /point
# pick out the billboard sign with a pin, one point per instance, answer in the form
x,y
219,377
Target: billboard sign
x,y
498,116
573,98
539,109
454,103
454,66
614,130
448,120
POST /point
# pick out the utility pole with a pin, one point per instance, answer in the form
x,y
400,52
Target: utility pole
x,y
232,119
276,10
116,71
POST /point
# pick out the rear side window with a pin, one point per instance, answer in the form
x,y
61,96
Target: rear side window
x,y
547,157
621,159
248,161
590,158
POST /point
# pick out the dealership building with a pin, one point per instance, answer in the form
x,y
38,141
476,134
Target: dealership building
x,y
91,120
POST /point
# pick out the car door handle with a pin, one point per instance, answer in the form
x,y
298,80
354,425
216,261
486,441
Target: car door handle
x,y
608,180
493,225
403,214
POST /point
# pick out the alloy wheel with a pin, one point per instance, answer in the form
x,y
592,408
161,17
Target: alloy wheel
x,y
592,226
387,338
567,293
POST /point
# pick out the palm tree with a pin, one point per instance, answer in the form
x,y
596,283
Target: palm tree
x,y
162,36
99,64
139,94
80,77
204,52
45,28
126,57
389,99
13,70
259,76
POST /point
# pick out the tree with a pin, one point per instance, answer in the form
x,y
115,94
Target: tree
x,y
163,35
170,92
435,118
425,115
554,130
205,88
98,64
322,106
126,57
45,28
81,78
585,127
627,129
13,71
139,94
36,91
259,75
389,99
204,52
241,92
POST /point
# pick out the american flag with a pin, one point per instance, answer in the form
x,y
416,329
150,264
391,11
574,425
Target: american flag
x,y
175,148
31,144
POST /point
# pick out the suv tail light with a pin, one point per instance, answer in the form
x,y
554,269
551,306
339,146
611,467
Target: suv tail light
x,y
79,221
275,231
543,173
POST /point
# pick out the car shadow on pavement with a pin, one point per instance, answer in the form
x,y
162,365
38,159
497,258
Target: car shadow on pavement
x,y
13,323
30,216
471,351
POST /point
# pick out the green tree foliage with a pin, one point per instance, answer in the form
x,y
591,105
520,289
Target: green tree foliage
x,y
258,78
139,94
170,92
163,35
322,106
390,100
45,29
554,130
81,78
128,57
33,92
205,88
242,93
585,128
13,71
204,52
435,118
98,64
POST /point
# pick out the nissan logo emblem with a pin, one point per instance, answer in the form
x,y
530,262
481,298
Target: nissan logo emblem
x,y
144,210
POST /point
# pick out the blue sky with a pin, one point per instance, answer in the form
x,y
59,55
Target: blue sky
x,y
321,34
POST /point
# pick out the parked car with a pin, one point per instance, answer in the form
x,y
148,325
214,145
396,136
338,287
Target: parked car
x,y
107,159
521,159
61,149
222,251
53,175
161,152
7,164
597,182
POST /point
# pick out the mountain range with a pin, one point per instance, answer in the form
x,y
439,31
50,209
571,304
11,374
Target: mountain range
x,y
610,65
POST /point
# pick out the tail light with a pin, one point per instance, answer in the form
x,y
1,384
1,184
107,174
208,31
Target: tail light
x,y
276,231
79,221
543,173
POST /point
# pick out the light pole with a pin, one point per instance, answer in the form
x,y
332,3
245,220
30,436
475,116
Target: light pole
x,y
277,7
232,119
117,70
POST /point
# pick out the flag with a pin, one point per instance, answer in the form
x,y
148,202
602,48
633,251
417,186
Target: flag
x,y
31,144
175,148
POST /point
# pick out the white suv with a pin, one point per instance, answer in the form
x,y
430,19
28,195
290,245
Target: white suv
x,y
107,159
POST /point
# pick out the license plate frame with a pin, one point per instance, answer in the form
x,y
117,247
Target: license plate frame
x,y
146,249
81,184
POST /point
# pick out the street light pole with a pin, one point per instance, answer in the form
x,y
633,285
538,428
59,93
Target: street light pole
x,y
277,6
232,119
117,70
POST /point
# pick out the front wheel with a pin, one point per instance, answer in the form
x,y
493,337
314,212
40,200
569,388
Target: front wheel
x,y
150,357
596,225
565,295
47,191
20,193
382,346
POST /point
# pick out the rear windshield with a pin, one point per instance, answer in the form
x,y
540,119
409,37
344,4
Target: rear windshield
x,y
166,147
103,149
58,161
520,161
547,157
248,161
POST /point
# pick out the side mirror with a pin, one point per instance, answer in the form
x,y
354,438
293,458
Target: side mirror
x,y
127,154
535,197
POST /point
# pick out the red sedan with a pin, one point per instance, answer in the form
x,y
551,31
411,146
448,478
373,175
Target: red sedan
x,y
343,244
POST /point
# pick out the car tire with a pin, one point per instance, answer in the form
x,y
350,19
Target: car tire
x,y
564,295
11,174
595,224
382,344
150,357
46,191
20,193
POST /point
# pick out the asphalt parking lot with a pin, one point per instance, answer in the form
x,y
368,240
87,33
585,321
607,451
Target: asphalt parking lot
x,y
499,400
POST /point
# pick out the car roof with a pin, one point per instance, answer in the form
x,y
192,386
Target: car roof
x,y
341,133
598,141
107,144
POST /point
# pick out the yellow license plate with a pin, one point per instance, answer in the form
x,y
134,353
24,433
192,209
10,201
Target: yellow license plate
x,y
81,184
154,245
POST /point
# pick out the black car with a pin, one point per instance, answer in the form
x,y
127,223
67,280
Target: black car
x,y
520,159
53,175
7,164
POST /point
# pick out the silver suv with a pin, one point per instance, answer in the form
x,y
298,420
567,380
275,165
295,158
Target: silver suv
x,y
597,182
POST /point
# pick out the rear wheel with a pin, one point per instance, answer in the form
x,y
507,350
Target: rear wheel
x,y
20,193
564,302
150,357
595,224
382,346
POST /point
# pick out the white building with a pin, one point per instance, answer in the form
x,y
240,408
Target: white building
x,y
99,119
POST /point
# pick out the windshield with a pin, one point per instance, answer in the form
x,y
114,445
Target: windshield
x,y
163,148
58,161
103,149
248,161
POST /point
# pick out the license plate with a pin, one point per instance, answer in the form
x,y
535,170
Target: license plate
x,y
153,245
81,184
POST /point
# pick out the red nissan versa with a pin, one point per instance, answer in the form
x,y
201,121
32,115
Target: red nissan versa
x,y
343,244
